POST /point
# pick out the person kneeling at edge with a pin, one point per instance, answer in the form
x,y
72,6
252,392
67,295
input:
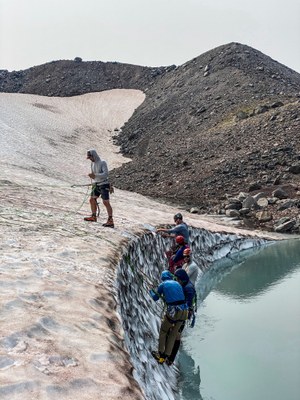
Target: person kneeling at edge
x,y
177,312
100,187
180,228
191,299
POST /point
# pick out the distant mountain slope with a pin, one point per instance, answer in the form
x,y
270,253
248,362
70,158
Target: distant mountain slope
x,y
207,91
70,78
211,126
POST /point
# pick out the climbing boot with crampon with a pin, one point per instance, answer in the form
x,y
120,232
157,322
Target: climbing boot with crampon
x,y
109,223
92,218
160,358
169,361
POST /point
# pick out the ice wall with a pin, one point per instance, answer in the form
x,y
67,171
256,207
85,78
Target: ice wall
x,y
139,269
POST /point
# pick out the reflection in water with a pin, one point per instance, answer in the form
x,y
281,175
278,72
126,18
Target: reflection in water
x,y
189,383
243,334
263,270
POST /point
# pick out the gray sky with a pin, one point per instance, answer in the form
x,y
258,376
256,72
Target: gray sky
x,y
144,32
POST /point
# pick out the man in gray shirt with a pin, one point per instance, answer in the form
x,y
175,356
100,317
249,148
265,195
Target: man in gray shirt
x,y
180,229
100,187
190,267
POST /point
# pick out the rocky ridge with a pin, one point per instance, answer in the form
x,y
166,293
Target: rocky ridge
x,y
225,125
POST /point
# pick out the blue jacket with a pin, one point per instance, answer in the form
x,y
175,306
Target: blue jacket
x,y
171,291
179,254
189,292
188,287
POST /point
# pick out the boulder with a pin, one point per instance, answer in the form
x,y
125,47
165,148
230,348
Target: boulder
x,y
259,195
280,194
241,115
264,216
276,104
282,221
262,202
277,180
233,206
232,214
261,109
244,211
272,200
254,186
295,169
242,196
234,200
285,227
249,202
285,204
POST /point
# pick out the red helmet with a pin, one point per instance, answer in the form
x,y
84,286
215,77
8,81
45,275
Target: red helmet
x,y
180,239
187,252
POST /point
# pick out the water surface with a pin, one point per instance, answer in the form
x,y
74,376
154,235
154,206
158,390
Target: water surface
x,y
246,343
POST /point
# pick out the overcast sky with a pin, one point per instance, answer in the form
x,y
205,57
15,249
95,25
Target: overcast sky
x,y
144,32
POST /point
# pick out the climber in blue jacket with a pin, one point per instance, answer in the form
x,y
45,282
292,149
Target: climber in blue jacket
x,y
176,313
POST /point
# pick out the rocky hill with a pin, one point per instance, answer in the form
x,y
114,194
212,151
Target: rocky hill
x,y
223,123
71,78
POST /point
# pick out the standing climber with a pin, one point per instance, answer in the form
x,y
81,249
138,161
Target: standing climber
x,y
191,299
176,313
100,187
180,228
190,266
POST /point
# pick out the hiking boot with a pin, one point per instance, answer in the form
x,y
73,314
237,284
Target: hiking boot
x,y
160,358
92,218
169,362
109,223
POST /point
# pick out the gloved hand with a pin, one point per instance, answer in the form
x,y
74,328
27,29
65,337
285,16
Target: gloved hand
x,y
154,295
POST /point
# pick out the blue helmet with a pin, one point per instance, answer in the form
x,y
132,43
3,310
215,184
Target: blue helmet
x,y
166,275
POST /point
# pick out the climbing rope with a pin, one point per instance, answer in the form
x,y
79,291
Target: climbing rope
x,y
146,283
